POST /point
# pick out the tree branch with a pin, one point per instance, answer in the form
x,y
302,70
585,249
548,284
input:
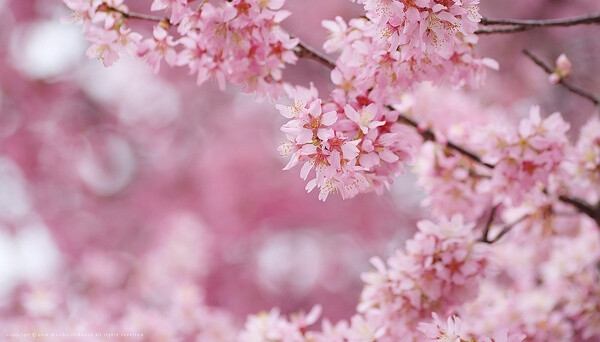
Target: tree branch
x,y
488,224
504,29
562,22
428,134
569,86
304,51
516,25
583,207
504,230
134,15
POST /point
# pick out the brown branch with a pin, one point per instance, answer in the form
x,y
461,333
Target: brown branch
x,y
134,15
428,134
304,51
586,19
515,25
503,29
583,207
488,224
507,228
569,86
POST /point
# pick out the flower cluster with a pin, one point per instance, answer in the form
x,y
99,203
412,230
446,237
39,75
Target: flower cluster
x,y
272,326
238,41
451,182
452,330
353,148
587,168
526,159
401,43
572,271
104,26
440,267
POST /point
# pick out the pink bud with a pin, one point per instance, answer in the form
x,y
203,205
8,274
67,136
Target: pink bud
x,y
563,65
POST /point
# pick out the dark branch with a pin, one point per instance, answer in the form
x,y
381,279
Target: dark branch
x,y
134,15
305,51
488,224
583,207
515,25
507,228
572,88
532,23
428,134
504,29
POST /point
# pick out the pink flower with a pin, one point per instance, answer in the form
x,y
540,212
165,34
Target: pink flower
x,y
365,118
440,331
161,46
107,45
178,8
338,34
529,157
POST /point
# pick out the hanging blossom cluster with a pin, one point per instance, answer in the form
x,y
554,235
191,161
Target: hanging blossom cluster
x,y
239,41
586,168
441,267
546,294
526,158
352,147
453,183
104,28
401,43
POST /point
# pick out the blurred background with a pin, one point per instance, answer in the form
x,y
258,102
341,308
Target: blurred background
x,y
124,194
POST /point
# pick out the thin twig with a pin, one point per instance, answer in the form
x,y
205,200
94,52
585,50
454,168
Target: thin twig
x,y
301,50
428,134
568,85
488,224
140,16
507,228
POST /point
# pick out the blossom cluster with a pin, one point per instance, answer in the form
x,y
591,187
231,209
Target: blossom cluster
x,y
451,182
401,43
557,300
586,168
238,41
271,326
353,148
104,26
526,158
440,268
453,330
522,162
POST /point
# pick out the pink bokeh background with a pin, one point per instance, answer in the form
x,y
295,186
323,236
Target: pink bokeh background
x,y
116,185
